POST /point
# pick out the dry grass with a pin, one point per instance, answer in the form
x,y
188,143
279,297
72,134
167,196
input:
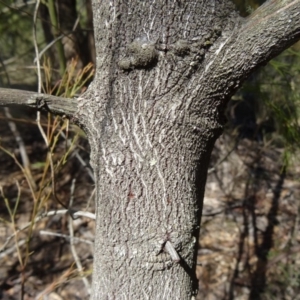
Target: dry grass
x,y
34,262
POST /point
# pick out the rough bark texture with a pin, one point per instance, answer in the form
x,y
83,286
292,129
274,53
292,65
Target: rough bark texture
x,y
151,144
56,105
165,71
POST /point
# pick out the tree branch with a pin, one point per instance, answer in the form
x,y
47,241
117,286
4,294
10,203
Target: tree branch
x,y
55,105
272,28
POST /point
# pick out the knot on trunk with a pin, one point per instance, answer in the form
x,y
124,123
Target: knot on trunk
x,y
140,54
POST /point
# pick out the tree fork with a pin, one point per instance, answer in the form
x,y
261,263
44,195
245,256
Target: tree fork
x,y
165,71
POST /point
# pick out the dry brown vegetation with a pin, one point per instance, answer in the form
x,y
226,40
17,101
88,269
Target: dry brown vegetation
x,y
38,260
249,243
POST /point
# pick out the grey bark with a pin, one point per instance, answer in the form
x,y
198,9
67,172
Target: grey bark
x,y
165,71
56,105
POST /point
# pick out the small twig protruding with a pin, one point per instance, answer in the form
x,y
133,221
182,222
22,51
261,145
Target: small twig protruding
x,y
171,250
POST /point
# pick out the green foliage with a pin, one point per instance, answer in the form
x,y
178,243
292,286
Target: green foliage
x,y
283,100
15,29
55,24
267,108
17,54
246,7
284,96
16,47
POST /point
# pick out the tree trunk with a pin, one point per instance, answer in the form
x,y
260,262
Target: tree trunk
x,y
152,127
165,71
152,115
151,176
